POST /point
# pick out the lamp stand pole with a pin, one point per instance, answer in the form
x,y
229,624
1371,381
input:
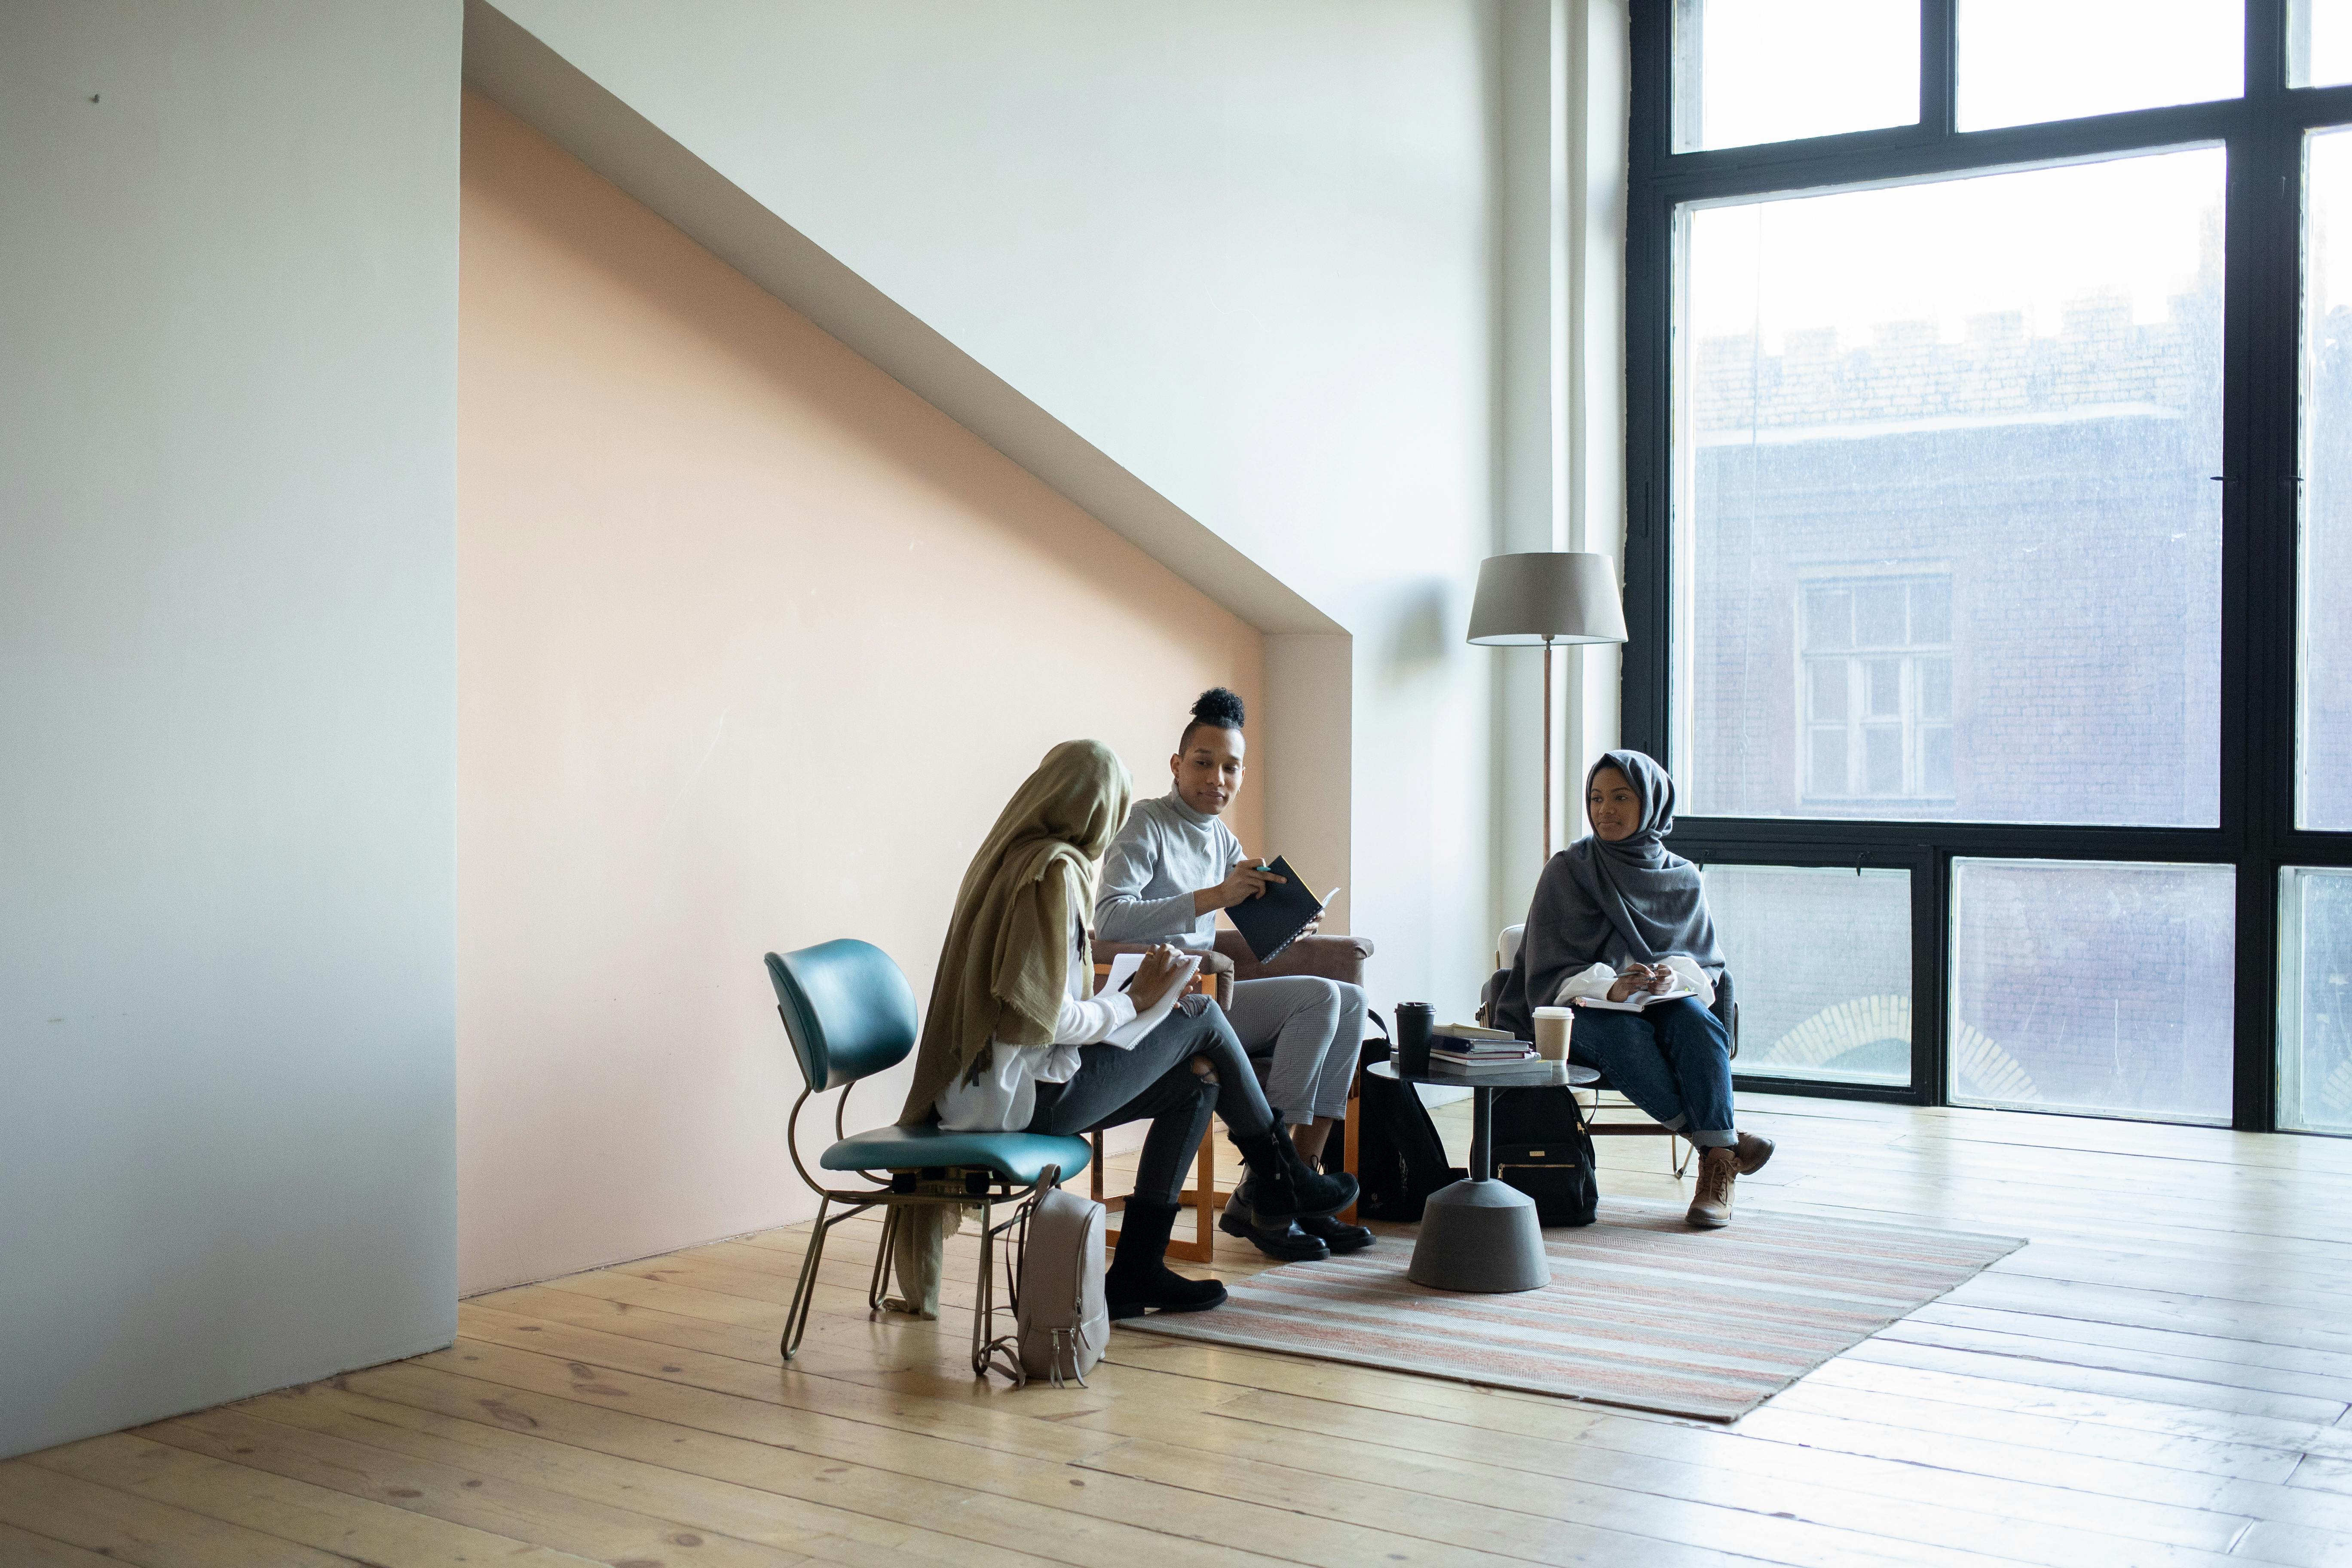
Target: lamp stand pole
x,y
1547,749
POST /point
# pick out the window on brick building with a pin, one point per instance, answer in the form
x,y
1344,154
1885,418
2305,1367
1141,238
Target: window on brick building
x,y
1988,534
1879,689
2018,375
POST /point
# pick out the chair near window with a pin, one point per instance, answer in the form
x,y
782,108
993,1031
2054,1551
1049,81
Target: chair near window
x,y
1339,958
1641,1125
850,1014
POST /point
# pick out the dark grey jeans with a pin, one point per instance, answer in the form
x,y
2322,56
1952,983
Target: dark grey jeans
x,y
1155,1081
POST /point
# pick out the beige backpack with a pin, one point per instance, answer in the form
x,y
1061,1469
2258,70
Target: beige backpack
x,y
1062,1324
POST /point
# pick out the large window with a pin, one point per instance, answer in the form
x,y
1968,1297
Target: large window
x,y
2016,377
1991,504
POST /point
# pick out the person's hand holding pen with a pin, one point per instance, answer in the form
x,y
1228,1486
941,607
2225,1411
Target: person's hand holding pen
x,y
1158,970
1638,977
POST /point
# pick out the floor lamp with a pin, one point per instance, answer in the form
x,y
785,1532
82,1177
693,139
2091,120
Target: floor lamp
x,y
1540,598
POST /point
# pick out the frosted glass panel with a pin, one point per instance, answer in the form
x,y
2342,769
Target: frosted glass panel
x,y
1766,71
2023,61
2097,986
2316,1000
2319,43
1821,965
2324,662
1944,488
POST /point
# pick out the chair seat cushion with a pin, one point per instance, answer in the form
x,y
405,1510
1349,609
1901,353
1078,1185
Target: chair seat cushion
x,y
1019,1157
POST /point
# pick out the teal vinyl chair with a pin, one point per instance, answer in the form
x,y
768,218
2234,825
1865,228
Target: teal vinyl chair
x,y
850,1015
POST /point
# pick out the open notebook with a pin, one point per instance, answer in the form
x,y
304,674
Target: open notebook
x,y
1636,1002
1122,970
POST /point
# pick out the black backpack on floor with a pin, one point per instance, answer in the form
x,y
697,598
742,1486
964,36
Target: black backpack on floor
x,y
1401,1160
1542,1149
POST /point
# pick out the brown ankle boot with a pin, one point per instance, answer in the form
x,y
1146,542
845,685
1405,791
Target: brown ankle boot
x,y
1711,1206
1752,1150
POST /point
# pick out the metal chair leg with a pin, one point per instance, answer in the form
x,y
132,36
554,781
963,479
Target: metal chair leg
x,y
882,1255
797,1315
983,1306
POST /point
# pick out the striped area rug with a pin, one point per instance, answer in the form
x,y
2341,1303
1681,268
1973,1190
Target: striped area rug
x,y
1642,1310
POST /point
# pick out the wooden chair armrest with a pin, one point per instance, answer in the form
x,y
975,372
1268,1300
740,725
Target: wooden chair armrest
x,y
1339,958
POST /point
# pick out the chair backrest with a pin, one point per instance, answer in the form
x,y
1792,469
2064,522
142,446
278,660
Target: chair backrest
x,y
1727,1008
1506,945
848,1008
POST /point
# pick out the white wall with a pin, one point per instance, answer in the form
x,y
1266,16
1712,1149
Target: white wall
x,y
227,310
688,731
1247,251
1563,442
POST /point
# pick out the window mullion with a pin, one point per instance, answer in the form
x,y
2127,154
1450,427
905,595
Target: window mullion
x,y
2261,399
1938,67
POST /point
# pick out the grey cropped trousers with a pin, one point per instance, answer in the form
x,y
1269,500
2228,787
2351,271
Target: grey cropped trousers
x,y
1315,1029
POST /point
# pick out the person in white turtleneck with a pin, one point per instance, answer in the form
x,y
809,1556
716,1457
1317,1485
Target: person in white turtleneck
x,y
1172,867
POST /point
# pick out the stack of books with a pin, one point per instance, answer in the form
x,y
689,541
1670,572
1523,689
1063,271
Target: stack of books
x,y
1454,1053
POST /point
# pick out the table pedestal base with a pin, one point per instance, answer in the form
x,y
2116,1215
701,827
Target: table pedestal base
x,y
1479,1236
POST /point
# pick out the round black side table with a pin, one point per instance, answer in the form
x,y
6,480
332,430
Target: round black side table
x,y
1480,1235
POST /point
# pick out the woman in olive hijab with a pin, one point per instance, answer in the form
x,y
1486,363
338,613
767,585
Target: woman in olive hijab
x,y
1015,1038
1618,913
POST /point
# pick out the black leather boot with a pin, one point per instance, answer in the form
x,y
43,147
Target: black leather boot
x,y
1140,1280
1338,1234
1284,1186
1288,1243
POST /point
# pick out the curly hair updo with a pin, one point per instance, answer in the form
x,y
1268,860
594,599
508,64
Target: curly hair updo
x,y
1218,709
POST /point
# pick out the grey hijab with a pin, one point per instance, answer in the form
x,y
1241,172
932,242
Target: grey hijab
x,y
1600,902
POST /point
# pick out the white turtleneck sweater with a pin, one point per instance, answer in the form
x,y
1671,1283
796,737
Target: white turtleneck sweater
x,y
1164,853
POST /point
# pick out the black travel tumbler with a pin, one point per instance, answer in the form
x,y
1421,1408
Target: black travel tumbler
x,y
1414,1022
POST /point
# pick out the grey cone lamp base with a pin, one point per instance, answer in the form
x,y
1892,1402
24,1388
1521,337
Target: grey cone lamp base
x,y
1479,1236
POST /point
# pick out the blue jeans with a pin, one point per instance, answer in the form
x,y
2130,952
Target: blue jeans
x,y
1674,1060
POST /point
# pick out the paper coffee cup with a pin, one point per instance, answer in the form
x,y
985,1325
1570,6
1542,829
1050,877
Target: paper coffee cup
x,y
1551,1032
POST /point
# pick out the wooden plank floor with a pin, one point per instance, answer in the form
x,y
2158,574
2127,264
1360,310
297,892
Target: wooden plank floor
x,y
2161,1377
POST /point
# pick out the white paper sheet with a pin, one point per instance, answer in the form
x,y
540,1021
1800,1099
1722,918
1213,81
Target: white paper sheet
x,y
1129,1034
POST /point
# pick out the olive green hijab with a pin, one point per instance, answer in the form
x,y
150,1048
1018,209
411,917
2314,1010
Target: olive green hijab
x,y
1007,965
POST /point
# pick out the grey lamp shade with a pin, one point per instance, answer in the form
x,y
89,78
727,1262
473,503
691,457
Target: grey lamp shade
x,y
1563,596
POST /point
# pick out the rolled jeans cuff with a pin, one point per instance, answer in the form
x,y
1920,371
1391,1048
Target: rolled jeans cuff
x,y
1725,1138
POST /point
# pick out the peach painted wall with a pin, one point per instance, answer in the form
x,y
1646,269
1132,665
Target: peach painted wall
x,y
752,645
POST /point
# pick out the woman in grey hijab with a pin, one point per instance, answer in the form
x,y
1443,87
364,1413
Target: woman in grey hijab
x,y
1616,915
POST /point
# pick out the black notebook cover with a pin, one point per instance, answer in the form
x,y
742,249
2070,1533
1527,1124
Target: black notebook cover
x,y
1272,920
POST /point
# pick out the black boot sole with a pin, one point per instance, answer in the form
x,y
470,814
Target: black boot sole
x,y
1122,1311
1282,1249
1341,1249
1266,1218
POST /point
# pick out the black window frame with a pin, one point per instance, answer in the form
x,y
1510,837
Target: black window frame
x,y
2263,134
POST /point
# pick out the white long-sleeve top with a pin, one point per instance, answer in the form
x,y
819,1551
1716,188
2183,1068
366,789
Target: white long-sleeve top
x,y
1005,1095
1597,980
